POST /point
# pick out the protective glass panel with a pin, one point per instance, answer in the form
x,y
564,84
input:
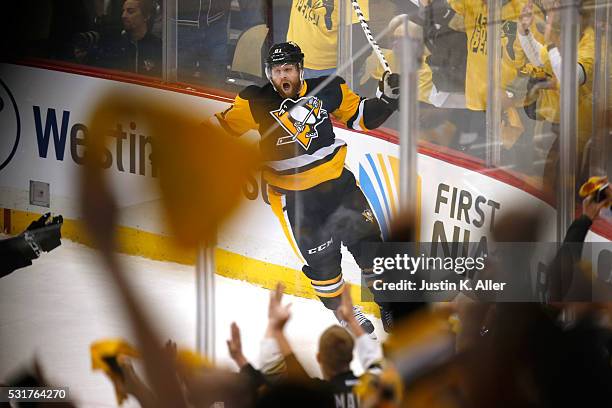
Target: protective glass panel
x,y
525,107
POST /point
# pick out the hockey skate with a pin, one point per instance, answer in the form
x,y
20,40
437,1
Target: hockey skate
x,y
363,321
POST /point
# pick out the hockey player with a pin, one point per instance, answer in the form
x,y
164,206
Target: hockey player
x,y
317,199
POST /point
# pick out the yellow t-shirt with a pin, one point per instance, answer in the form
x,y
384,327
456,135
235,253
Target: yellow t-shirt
x,y
548,103
307,29
474,13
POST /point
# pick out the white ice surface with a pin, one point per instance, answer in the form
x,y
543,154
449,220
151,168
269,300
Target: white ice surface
x,y
57,307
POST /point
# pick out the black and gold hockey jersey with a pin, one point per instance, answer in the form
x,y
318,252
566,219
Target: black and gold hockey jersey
x,y
298,144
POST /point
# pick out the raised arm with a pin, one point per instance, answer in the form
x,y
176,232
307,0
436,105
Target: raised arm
x,y
369,351
234,346
585,48
238,118
278,316
364,114
531,47
254,377
134,386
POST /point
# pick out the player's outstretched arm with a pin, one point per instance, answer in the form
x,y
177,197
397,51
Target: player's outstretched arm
x,y
364,114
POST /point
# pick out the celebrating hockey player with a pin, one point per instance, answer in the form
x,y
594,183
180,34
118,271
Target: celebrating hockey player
x,y
317,199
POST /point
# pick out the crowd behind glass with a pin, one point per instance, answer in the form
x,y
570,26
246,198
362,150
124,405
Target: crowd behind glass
x,y
220,44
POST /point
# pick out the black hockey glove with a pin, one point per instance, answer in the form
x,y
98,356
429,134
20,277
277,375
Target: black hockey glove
x,y
42,235
46,231
389,90
39,223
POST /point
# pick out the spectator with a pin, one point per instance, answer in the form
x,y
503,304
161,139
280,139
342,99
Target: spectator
x,y
131,384
314,25
135,49
251,13
334,355
542,51
474,14
568,280
67,17
202,40
280,13
444,118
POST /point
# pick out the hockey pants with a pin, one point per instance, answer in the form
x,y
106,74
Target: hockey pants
x,y
317,221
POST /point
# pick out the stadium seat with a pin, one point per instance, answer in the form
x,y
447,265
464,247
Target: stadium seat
x,y
247,62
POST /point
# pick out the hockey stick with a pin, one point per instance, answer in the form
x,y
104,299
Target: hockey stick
x,y
370,37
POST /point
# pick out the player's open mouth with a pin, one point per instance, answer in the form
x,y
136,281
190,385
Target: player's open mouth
x,y
286,86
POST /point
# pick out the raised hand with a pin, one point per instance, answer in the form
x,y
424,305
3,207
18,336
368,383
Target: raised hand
x,y
553,27
389,88
234,346
591,208
525,19
345,310
278,315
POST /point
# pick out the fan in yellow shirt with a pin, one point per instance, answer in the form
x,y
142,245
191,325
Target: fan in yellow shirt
x,y
474,13
314,25
548,59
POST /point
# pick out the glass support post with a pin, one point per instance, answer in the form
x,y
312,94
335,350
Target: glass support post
x,y
410,56
169,41
345,41
494,61
602,91
205,301
566,201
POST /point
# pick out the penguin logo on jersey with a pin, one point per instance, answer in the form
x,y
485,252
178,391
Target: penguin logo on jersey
x,y
300,119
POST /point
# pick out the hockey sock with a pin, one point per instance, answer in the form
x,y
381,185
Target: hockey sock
x,y
328,290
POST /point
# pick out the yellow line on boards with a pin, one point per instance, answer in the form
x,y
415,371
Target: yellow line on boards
x,y
162,248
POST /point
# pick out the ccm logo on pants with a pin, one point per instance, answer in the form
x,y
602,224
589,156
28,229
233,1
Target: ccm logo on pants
x,y
321,247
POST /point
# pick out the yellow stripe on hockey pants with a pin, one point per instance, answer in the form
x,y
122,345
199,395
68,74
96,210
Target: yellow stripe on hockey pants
x,y
276,202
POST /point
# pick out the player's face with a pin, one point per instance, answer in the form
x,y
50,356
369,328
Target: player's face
x,y
286,80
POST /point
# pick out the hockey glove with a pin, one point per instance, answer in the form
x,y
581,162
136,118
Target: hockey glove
x,y
46,231
39,223
388,90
